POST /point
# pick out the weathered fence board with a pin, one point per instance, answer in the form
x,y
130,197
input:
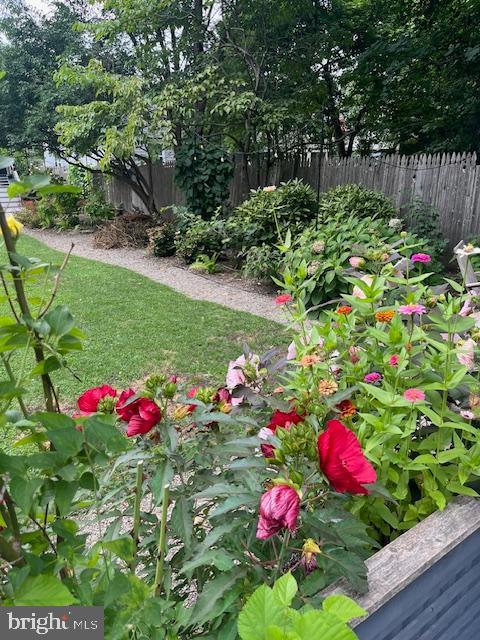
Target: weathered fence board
x,y
448,182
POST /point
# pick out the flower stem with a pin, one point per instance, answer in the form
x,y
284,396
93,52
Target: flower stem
x,y
285,541
136,512
161,543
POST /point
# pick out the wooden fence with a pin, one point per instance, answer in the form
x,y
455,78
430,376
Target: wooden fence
x,y
448,182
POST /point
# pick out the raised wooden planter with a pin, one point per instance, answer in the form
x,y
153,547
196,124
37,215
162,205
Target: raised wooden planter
x,y
426,584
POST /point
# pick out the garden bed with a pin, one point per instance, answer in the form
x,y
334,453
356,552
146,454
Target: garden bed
x,y
422,583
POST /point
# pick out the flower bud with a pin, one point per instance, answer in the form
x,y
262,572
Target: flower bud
x,y
180,411
169,389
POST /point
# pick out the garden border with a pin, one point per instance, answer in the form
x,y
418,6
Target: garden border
x,y
400,563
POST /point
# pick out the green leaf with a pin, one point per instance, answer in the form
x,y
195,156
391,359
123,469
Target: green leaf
x,y
343,608
320,625
215,557
23,491
43,590
181,522
260,612
60,320
284,589
121,547
456,487
64,494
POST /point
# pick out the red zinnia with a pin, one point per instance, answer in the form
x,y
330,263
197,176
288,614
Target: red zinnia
x,y
147,416
279,509
283,298
344,310
89,400
279,420
342,460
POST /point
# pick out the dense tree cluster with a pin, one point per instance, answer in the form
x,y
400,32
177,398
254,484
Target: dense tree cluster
x,y
122,80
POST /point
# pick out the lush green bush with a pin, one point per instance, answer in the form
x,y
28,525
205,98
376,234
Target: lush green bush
x,y
261,262
317,263
196,236
59,210
355,200
266,216
161,239
203,173
424,220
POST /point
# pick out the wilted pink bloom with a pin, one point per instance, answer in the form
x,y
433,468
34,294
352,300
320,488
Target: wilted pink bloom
x,y
356,262
353,353
279,509
411,309
421,257
468,415
466,353
414,395
357,292
372,378
467,307
393,360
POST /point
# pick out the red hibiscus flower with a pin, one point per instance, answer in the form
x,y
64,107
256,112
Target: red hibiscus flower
x,y
125,410
192,394
279,420
342,460
89,400
279,509
147,416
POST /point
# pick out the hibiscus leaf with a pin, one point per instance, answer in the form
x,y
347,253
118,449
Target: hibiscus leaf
x,y
218,558
181,522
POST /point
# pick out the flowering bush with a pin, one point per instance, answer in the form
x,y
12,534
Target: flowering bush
x,y
398,365
320,261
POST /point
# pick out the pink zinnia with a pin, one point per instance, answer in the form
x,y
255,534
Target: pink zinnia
x,y
284,298
393,360
421,257
411,309
414,395
372,378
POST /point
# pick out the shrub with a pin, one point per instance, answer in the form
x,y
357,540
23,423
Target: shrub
x,y
29,215
424,220
161,239
317,263
196,236
96,208
355,200
267,215
261,262
60,209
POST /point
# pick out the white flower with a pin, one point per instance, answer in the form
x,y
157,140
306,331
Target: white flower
x,y
395,223
467,250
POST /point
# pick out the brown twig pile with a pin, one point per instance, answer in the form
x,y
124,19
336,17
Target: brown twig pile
x,y
126,230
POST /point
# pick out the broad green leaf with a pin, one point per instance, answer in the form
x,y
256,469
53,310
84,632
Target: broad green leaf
x,y
320,625
215,557
260,612
343,608
60,320
121,547
456,487
23,491
284,589
64,495
181,522
43,590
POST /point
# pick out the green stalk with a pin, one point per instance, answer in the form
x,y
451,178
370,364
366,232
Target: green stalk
x,y
285,541
136,512
157,587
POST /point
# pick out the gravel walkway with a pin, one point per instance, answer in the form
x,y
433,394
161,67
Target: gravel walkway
x,y
161,270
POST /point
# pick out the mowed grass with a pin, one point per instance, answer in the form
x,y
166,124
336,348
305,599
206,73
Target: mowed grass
x,y
135,327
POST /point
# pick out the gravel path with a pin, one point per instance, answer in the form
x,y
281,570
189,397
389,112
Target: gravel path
x,y
161,270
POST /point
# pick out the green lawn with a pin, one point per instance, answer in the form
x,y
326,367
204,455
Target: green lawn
x,y
135,326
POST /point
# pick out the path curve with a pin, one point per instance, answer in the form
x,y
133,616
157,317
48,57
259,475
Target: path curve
x,y
161,270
